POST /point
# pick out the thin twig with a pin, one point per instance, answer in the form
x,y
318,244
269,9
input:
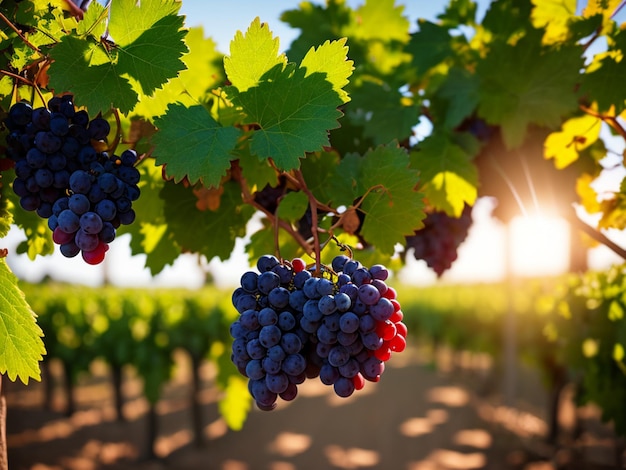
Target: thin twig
x,y
249,199
595,234
313,204
610,120
19,33
25,80
293,180
16,76
118,133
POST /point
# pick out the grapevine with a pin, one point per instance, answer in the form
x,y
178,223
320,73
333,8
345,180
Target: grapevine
x,y
320,142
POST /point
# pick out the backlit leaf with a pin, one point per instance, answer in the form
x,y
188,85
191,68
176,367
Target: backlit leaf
x,y
575,135
21,346
191,143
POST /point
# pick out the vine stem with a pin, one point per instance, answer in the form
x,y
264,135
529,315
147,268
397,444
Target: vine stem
x,y
25,80
594,233
598,31
610,120
341,216
249,199
314,206
118,133
19,33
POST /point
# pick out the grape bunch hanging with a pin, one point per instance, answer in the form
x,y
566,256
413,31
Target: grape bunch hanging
x,y
84,194
341,327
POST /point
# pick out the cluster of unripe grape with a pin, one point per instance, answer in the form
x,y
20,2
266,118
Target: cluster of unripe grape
x,y
85,194
341,326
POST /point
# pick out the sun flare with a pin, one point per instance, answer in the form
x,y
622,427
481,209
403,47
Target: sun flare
x,y
539,245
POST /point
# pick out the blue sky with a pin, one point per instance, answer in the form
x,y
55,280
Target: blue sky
x,y
221,19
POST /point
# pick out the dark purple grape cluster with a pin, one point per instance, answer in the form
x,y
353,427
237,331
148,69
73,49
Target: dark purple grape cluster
x,y
438,241
341,327
85,194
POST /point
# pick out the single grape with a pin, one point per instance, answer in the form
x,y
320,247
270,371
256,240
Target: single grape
x,y
80,182
78,203
96,256
91,222
99,129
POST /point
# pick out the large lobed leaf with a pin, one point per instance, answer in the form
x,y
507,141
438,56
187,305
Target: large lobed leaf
x,y
449,177
21,346
393,208
291,108
214,232
526,83
193,144
148,45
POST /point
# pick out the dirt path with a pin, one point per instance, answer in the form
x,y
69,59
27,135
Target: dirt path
x,y
414,419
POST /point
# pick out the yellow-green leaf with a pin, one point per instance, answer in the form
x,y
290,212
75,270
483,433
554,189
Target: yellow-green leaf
x,y
616,311
554,16
575,135
21,346
590,347
252,55
235,405
330,59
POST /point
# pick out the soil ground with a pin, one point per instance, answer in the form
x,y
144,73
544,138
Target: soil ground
x,y
418,417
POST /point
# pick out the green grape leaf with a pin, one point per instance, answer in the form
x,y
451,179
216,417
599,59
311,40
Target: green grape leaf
x,y
508,18
395,210
257,173
293,108
193,144
429,46
450,178
149,233
148,49
525,84
382,112
292,206
604,83
203,72
459,96
294,113
263,241
346,184
319,171
214,232
38,235
317,23
101,85
150,39
459,12
21,346
252,55
157,244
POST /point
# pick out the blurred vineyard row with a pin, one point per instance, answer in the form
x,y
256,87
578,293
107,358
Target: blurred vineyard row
x,y
571,329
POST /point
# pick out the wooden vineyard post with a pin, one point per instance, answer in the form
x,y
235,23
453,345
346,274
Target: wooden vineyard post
x,y
509,372
4,460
